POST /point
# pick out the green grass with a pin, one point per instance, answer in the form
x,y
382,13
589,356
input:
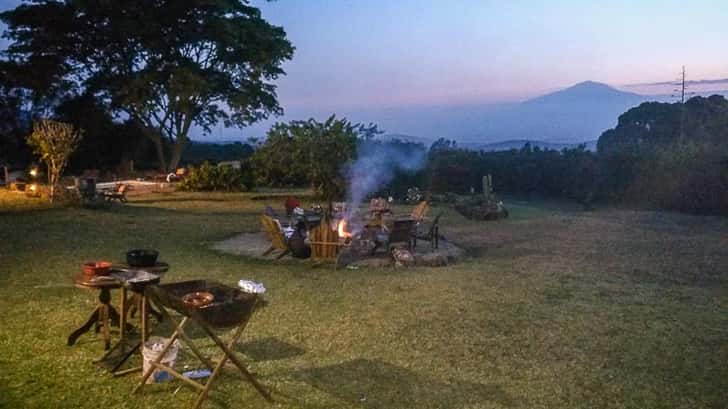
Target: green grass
x,y
554,308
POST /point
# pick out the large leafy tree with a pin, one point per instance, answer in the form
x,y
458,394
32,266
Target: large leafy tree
x,y
167,64
311,152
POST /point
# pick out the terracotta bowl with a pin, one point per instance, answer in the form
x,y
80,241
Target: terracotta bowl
x,y
198,299
96,268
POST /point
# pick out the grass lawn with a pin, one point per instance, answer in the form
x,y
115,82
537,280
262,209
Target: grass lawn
x,y
554,308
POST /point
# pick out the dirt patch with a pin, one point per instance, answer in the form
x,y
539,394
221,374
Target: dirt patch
x,y
255,244
245,244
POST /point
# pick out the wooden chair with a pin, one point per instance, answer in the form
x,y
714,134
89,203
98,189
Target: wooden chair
x,y
431,234
324,242
274,233
119,193
420,211
402,231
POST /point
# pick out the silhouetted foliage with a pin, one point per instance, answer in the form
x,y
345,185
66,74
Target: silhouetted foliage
x,y
647,160
106,143
570,173
207,177
14,127
167,65
199,152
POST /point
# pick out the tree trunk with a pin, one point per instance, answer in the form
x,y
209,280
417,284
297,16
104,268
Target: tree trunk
x,y
156,139
52,180
177,149
160,153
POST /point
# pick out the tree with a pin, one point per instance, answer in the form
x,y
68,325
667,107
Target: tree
x,y
311,152
669,156
13,130
166,64
54,142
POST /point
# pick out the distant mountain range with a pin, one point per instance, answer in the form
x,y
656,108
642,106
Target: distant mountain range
x,y
565,118
561,119
577,114
496,146
520,143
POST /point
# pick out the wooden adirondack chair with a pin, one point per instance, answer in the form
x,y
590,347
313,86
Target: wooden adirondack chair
x,y
119,193
277,239
401,232
429,233
324,242
420,211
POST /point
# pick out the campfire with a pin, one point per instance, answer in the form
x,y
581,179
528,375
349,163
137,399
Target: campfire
x,y
344,233
363,234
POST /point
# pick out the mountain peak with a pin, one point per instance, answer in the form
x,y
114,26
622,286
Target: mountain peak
x,y
585,91
591,84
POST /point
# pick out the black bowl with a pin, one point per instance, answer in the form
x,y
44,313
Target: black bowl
x,y
142,258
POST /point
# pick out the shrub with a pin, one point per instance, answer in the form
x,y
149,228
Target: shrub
x,y
209,177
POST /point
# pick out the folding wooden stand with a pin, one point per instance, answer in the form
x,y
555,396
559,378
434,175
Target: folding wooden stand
x,y
228,354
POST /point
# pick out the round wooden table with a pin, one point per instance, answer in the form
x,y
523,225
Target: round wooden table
x,y
105,314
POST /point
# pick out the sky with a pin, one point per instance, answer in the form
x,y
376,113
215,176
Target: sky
x,y
368,53
359,56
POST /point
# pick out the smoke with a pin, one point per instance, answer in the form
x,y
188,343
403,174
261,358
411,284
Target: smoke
x,y
376,166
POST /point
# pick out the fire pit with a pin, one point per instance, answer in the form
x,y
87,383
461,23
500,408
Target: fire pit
x,y
348,240
365,237
385,240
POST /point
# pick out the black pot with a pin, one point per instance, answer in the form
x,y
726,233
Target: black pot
x,y
142,258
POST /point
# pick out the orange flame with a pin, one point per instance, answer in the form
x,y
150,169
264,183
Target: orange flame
x,y
342,229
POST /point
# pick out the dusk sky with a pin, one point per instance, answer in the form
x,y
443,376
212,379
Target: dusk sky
x,y
379,53
358,55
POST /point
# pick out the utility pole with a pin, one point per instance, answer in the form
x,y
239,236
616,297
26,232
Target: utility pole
x,y
681,93
682,85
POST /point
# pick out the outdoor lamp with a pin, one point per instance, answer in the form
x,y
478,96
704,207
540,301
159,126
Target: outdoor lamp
x,y
33,190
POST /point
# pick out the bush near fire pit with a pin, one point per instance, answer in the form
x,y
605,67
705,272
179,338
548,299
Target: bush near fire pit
x,y
209,177
477,207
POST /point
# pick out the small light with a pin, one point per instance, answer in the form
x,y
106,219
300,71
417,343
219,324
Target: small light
x,y
34,172
33,188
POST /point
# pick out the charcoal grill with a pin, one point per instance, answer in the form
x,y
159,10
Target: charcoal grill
x,y
230,308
